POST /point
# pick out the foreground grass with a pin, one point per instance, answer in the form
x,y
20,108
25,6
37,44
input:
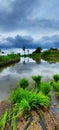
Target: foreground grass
x,y
24,101
9,59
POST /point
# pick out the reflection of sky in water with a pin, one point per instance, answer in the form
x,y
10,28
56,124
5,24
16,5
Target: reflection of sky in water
x,y
27,67
10,76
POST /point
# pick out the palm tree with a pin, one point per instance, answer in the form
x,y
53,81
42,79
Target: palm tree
x,y
24,50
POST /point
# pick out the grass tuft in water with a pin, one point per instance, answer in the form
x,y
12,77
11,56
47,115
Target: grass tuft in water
x,y
45,88
24,83
56,86
37,80
56,77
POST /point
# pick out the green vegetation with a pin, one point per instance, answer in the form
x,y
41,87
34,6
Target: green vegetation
x,y
26,101
14,123
23,101
9,59
4,120
30,97
23,104
24,83
38,50
37,80
56,77
45,88
56,86
36,57
51,55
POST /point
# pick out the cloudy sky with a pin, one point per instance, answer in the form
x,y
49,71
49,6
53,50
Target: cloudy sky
x,y
29,23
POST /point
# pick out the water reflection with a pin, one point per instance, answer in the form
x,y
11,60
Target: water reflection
x,y
27,67
24,60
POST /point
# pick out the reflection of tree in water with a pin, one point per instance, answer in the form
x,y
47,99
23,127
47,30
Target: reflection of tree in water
x,y
24,62
28,59
1,69
37,60
28,52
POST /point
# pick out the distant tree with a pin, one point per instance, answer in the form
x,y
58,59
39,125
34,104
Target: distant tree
x,y
24,49
38,50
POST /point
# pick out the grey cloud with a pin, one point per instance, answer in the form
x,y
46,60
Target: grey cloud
x,y
29,16
16,16
18,42
28,42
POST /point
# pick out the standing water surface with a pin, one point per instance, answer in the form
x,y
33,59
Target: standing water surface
x,y
27,67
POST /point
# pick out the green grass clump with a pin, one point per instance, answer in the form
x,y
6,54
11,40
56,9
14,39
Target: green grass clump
x,y
37,80
20,96
51,82
43,100
17,95
14,124
56,77
23,101
24,107
27,104
3,120
45,88
24,83
56,86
